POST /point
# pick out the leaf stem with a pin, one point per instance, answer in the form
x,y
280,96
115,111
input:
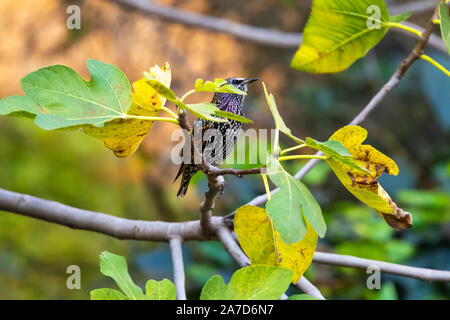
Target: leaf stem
x,y
293,148
298,157
298,140
435,63
162,119
266,185
402,26
170,112
187,94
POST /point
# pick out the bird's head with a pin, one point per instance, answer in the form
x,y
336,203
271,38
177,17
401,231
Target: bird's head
x,y
241,83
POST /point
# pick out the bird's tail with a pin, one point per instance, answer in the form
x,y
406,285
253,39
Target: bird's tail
x,y
187,171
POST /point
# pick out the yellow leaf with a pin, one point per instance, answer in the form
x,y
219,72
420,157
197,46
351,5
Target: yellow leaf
x,y
123,136
363,186
263,244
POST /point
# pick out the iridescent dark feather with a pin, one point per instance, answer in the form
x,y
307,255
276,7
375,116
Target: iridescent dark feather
x,y
229,131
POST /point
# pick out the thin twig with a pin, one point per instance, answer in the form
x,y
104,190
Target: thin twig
x,y
211,170
178,267
392,268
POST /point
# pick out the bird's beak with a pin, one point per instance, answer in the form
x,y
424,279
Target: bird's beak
x,y
250,80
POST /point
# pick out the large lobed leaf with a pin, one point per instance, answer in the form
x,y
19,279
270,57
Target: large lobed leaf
x,y
58,98
337,34
263,244
257,282
123,136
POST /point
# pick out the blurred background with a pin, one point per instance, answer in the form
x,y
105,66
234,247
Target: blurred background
x,y
411,125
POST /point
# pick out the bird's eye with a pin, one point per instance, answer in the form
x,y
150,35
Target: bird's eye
x,y
234,81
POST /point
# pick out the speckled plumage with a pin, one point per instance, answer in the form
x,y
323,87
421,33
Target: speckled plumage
x,y
229,132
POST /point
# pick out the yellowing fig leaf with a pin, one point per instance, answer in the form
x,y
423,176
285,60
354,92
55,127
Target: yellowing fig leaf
x,y
123,136
339,32
57,97
105,107
263,244
365,186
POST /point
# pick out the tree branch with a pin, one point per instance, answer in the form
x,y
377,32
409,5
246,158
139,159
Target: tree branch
x,y
308,288
178,267
392,268
230,246
415,7
165,231
98,222
268,37
216,185
241,31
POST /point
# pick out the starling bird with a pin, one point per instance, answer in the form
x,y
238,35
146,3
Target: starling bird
x,y
229,131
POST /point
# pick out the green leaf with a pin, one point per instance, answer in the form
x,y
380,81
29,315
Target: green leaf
x,y
19,105
210,111
279,122
311,209
337,151
257,282
204,110
388,292
232,116
338,32
115,266
160,290
107,294
302,297
61,98
286,206
445,24
214,289
219,85
400,17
